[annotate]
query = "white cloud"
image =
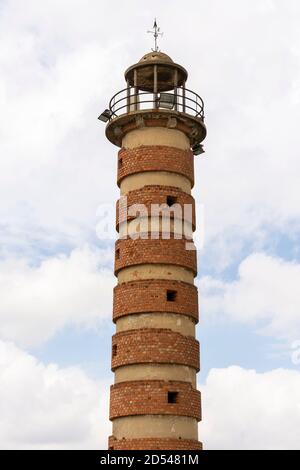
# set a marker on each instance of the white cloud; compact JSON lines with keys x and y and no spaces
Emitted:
{"x":37,"y":301}
{"x":54,"y":82}
{"x":266,"y":294}
{"x":243,"y":409}
{"x":47,"y":407}
{"x":57,"y":74}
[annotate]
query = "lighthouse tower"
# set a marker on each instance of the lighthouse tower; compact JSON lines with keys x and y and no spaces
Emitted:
{"x":158,"y":124}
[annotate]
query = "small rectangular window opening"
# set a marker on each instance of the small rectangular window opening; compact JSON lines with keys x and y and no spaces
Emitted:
{"x":171,"y":200}
{"x":118,"y":253}
{"x":114,"y":350}
{"x":120,"y":162}
{"x":171,"y":295}
{"x":172,"y":397}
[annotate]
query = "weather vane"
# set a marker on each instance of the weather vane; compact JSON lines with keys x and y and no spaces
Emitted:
{"x":156,"y":32}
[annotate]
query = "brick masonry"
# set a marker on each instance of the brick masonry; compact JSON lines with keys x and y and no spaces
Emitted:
{"x":154,"y":345}
{"x":150,"y":397}
{"x":155,"y":194}
{"x":160,"y":251}
{"x":155,"y":158}
{"x":154,"y":444}
{"x":152,"y":296}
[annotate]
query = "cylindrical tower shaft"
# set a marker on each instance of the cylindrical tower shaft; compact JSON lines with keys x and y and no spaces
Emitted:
{"x":154,"y":401}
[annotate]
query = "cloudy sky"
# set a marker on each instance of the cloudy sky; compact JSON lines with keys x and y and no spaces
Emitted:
{"x":60,"y":62}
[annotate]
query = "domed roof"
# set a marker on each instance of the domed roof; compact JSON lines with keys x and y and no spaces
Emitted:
{"x":141,"y":75}
{"x":156,"y":56}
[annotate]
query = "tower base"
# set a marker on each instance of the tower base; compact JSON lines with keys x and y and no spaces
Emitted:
{"x":154,"y":444}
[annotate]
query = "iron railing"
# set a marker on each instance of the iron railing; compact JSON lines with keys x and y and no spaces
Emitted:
{"x":181,"y":99}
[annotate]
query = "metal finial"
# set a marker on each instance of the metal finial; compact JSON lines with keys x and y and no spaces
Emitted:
{"x":156,"y":32}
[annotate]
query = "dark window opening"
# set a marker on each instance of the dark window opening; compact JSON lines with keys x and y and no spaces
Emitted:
{"x":114,"y":350}
{"x":120,"y":162}
{"x":172,"y":397}
{"x":171,"y":200}
{"x":171,"y":295}
{"x":118,"y":253}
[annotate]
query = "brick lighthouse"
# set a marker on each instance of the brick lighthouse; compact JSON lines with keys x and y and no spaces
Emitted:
{"x":158,"y":125}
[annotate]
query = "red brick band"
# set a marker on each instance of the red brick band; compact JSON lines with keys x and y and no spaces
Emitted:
{"x":154,"y":397}
{"x":164,"y":196}
{"x":154,"y":345}
{"x":155,"y":158}
{"x":161,"y":251}
{"x":153,"y":443}
{"x":155,"y":296}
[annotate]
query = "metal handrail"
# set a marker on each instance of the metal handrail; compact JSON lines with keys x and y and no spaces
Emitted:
{"x":182,"y":101}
